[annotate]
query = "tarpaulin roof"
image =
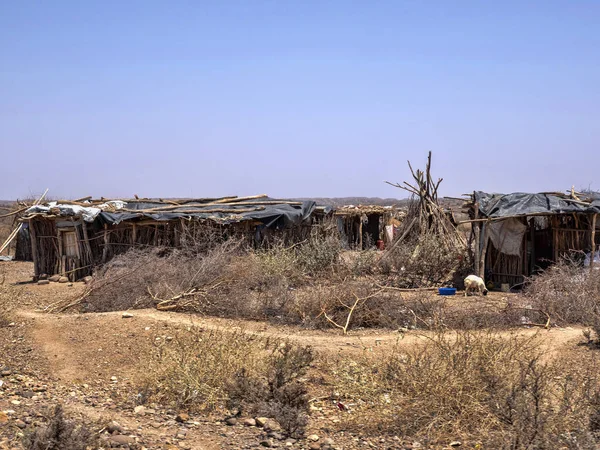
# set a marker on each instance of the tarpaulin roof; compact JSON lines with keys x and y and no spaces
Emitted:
{"x":523,"y":204}
{"x":269,"y":212}
{"x":275,"y":215}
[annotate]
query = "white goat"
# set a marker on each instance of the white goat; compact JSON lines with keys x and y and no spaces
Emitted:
{"x":474,"y":283}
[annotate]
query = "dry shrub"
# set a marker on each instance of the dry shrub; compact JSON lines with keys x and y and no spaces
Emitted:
{"x":425,"y":261}
{"x":192,"y":369}
{"x":61,"y":434}
{"x":198,"y":239}
{"x":210,"y":370}
{"x":318,"y":306}
{"x":374,"y":307}
{"x":282,"y":393}
{"x":568,"y":293}
{"x":429,"y":311}
{"x":359,"y":263}
{"x":220,"y":278}
{"x":307,"y":284}
{"x":132,"y":279}
{"x":477,"y":314}
{"x":388,"y":308}
{"x":276,"y":285}
{"x":317,"y":255}
{"x":480,"y":386}
{"x":264,"y":284}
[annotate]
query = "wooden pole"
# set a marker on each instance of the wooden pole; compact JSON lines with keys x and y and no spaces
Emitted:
{"x":88,"y":247}
{"x":477,"y":233}
{"x":593,"y":241}
{"x":484,"y":247}
{"x":105,"y":249}
{"x":34,"y":249}
{"x":532,"y":256}
{"x":61,"y":269}
{"x":554,"y":239}
{"x":134,"y":233}
{"x":11,"y":236}
{"x":360,"y":238}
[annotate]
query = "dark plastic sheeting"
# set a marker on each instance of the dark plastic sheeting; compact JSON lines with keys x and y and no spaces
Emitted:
{"x":522,"y":204}
{"x":273,"y":216}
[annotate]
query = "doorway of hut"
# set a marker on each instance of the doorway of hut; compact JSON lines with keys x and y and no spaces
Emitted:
{"x":542,"y":250}
{"x":371,"y":231}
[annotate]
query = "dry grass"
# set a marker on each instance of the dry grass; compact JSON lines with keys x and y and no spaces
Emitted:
{"x":477,"y":386}
{"x":207,"y":371}
{"x":192,"y":369}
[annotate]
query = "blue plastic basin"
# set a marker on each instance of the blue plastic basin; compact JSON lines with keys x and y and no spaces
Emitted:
{"x":447,"y":291}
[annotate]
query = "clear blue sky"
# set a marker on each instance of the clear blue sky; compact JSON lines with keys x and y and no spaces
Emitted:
{"x":297,"y":98}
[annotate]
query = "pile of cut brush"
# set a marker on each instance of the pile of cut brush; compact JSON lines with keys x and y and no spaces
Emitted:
{"x":428,"y":250}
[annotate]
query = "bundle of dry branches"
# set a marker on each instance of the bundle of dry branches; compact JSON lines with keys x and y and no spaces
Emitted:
{"x":425,"y":215}
{"x":429,"y":250}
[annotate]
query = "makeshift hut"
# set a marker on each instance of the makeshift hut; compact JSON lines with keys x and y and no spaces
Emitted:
{"x":362,"y":226}
{"x":516,"y":235}
{"x":18,"y":237}
{"x":71,"y":237}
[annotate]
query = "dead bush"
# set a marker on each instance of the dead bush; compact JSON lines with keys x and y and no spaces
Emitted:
{"x":481,"y":314}
{"x":319,"y":254}
{"x":192,"y":370}
{"x":198,"y":239}
{"x":224,"y":278}
{"x":568,"y":293}
{"x":159,"y":277}
{"x":480,"y":386}
{"x":61,"y":434}
{"x":306,"y":283}
{"x":389,"y":308}
{"x":360,"y":263}
{"x":346,"y":304}
{"x":424,"y":261}
{"x":282,"y":393}
{"x":210,"y":370}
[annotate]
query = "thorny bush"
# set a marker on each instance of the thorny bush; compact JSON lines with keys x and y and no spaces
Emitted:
{"x":281,"y":392}
{"x":500,"y":392}
{"x":142,"y":278}
{"x":568,"y":293}
{"x":191,"y":369}
{"x":209,"y":370}
{"x":425,"y":261}
{"x":61,"y":434}
{"x":308,"y":283}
